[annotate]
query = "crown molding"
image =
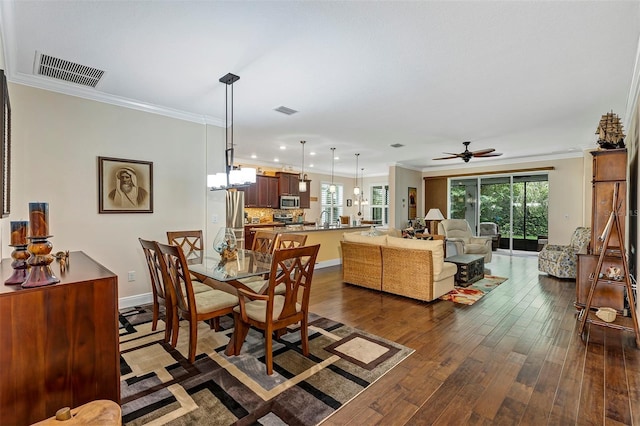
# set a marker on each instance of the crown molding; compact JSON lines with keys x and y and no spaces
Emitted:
{"x":91,"y":94}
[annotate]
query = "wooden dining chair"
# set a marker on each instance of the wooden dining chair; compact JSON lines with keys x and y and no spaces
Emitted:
{"x":192,"y":245}
{"x":193,"y":307}
{"x":263,"y":242}
{"x":271,"y":312}
{"x":158,"y":288}
{"x":289,"y":240}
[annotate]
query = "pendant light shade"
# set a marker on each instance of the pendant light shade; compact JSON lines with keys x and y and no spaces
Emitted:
{"x":332,"y":187}
{"x":356,"y":188}
{"x":302,"y":184}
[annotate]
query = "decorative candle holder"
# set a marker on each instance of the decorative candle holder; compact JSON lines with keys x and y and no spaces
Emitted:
{"x":40,"y":248}
{"x":40,"y":273}
{"x":19,"y":264}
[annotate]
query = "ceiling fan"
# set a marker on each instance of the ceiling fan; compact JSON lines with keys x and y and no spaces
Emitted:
{"x":466,"y":155}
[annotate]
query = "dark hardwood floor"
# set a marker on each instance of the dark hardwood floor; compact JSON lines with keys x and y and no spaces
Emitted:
{"x":514,"y":357}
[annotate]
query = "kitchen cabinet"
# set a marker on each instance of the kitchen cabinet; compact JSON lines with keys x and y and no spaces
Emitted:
{"x":305,"y":197}
{"x":288,"y":183}
{"x":251,"y":195}
{"x":268,"y":192}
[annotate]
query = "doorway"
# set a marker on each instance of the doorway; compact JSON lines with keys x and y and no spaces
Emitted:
{"x":518,"y":204}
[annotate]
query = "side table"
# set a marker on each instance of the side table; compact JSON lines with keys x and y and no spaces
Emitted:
{"x":470,"y":268}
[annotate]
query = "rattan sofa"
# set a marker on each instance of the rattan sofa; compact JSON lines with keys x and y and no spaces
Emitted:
{"x":410,"y":268}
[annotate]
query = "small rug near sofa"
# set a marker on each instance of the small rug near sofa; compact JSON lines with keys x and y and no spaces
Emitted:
{"x":473,"y":293}
{"x":159,"y":386}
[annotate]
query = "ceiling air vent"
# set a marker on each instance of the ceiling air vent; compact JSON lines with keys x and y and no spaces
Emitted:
{"x":285,"y":110}
{"x":68,"y":71}
{"x":396,"y":145}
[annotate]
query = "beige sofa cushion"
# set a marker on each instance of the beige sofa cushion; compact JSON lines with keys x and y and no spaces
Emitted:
{"x":355,"y":237}
{"x":436,"y":247}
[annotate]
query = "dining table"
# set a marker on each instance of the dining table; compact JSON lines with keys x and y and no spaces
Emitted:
{"x":226,"y":275}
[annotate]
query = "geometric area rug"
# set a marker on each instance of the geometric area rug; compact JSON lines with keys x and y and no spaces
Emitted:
{"x":473,"y":293}
{"x":159,"y":386}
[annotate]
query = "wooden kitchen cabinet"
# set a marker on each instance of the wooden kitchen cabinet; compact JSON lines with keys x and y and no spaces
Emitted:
{"x":305,"y":197}
{"x":59,"y":344}
{"x":268,"y":191}
{"x":288,"y":183}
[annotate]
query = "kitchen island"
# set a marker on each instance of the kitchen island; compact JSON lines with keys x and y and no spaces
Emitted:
{"x":328,"y":238}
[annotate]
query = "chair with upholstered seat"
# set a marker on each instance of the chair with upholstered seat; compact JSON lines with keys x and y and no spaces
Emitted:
{"x":490,"y":229}
{"x":158,"y":289}
{"x":193,"y":307}
{"x":458,"y":232}
{"x":191,"y":243}
{"x":561,"y":260}
{"x":272,"y":312}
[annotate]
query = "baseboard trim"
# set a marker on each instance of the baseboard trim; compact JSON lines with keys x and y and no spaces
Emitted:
{"x":327,"y":263}
{"x":137,"y":300}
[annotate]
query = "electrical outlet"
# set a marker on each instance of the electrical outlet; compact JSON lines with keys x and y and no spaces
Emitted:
{"x":214,"y":218}
{"x":132,"y":276}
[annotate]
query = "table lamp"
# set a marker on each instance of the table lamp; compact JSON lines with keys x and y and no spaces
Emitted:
{"x":434,"y":216}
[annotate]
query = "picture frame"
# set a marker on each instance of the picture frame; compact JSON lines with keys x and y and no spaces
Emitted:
{"x":125,"y":186}
{"x":349,"y":202}
{"x":5,"y":149}
{"x":413,"y":203}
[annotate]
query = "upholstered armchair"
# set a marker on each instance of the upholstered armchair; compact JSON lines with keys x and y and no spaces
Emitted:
{"x":561,"y":260}
{"x":490,"y":229}
{"x":457,"y":232}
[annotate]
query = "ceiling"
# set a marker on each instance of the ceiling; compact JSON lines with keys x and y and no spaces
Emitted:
{"x":528,"y":78}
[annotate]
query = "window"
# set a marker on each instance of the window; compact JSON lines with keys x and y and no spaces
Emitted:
{"x":331,"y":203}
{"x":380,"y":203}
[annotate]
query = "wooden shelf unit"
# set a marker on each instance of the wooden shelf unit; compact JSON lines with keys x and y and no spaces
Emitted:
{"x":586,"y":315}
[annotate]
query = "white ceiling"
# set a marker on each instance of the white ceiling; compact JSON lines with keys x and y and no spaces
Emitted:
{"x":528,"y":78}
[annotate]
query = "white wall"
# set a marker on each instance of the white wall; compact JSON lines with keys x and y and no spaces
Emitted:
{"x":399,"y":194}
{"x":56,"y":140}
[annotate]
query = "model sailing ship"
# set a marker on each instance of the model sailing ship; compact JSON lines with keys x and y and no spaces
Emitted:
{"x":609,"y":131}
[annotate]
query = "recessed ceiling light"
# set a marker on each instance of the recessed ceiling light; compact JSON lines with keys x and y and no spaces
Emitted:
{"x":276,"y":160}
{"x":310,"y":165}
{"x":254,"y":156}
{"x":312,"y":153}
{"x":282,"y":147}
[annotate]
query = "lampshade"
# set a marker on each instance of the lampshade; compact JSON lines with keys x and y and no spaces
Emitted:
{"x":434,"y":214}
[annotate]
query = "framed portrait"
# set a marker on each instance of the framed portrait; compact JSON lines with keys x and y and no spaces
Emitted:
{"x":5,"y":149}
{"x":349,"y":202}
{"x":413,"y":200}
{"x":125,"y":186}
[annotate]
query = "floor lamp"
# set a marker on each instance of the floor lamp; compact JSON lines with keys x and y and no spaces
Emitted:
{"x":433,"y":217}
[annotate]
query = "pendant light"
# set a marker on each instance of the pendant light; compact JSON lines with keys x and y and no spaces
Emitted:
{"x":356,"y":188}
{"x":363,"y":200}
{"x":302,"y":184}
{"x":332,"y":187}
{"x":233,"y":176}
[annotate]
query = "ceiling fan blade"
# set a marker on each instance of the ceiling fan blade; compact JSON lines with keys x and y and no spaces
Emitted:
{"x":482,"y":151}
{"x":491,"y":154}
{"x":451,"y":153}
{"x":447,"y":158}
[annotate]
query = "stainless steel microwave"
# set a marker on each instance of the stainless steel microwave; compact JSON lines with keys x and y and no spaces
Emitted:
{"x":289,"y":202}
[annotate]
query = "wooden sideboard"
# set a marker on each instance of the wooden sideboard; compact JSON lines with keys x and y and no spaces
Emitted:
{"x":59,"y":344}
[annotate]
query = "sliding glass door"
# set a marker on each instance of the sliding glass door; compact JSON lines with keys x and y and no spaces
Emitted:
{"x":518,"y":204}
